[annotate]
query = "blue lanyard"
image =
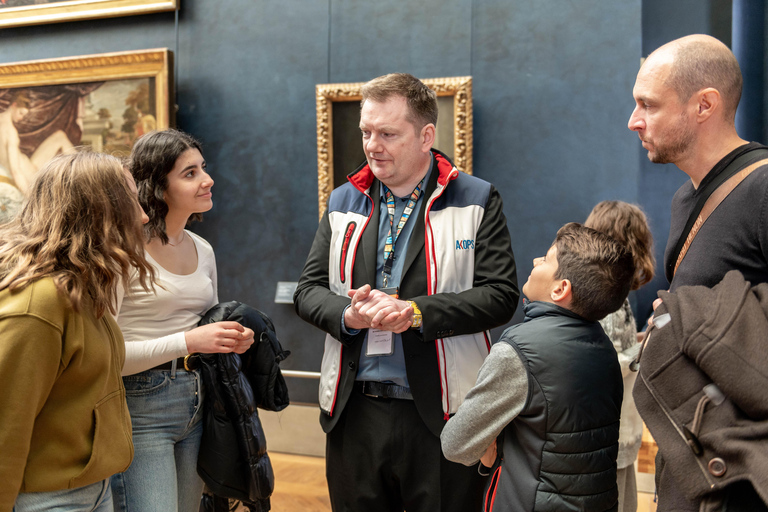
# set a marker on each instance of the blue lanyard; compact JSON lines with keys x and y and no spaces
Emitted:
{"x":389,"y":245}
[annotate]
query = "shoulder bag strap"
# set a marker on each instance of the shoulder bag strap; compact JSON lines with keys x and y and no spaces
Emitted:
{"x":716,"y":192}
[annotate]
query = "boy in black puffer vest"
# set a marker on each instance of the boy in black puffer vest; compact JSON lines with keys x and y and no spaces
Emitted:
{"x":544,"y":413}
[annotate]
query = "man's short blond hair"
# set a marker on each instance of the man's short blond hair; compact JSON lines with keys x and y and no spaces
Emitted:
{"x":701,"y":62}
{"x":422,"y":101}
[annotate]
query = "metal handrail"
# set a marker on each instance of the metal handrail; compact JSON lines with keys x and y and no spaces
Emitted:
{"x":300,"y":375}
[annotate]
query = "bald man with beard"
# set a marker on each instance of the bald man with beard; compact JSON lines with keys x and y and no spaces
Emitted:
{"x":686,"y":95}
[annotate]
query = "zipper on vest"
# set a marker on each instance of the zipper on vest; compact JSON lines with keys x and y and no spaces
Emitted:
{"x":490,"y":496}
{"x":345,"y":249}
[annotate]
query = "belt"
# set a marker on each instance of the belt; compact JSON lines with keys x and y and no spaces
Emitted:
{"x":383,"y":390}
{"x":167,"y":366}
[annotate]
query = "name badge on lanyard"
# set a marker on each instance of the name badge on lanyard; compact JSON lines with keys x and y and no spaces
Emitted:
{"x":381,"y":343}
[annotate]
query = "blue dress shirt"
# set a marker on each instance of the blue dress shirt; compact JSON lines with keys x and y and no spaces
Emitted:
{"x":391,"y":368}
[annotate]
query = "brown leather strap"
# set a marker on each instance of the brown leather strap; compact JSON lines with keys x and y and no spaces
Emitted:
{"x":713,"y":202}
{"x":167,"y":365}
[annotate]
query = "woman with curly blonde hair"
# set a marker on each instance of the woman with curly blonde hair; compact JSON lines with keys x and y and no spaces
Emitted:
{"x":64,"y":426}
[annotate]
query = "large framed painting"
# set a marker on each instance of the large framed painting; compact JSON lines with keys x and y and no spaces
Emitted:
{"x":15,"y":13}
{"x":102,"y":101}
{"x":339,"y":144}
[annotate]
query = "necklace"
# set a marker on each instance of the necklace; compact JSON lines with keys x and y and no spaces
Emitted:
{"x":183,"y":234}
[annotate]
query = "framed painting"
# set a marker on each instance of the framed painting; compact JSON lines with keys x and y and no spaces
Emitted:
{"x":14,"y":13}
{"x":103,"y":101}
{"x":339,"y":144}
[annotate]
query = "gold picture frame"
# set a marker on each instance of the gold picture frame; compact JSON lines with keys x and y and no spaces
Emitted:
{"x":341,"y":102}
{"x":104,"y":101}
{"x":155,"y":64}
{"x":55,"y":11}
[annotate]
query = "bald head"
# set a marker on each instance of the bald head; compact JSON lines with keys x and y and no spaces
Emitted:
{"x":698,"y":62}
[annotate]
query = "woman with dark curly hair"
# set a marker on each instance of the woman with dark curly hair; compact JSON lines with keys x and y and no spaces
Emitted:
{"x":160,"y":328}
{"x":64,"y":426}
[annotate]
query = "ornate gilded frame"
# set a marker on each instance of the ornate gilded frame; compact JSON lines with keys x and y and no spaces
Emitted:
{"x":71,"y":10}
{"x":156,"y":63}
{"x":327,"y":94}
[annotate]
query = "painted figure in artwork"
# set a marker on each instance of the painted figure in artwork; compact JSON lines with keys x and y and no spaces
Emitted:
{"x":13,"y":161}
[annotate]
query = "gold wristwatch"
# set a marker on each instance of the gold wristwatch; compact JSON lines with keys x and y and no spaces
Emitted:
{"x":416,"y":315}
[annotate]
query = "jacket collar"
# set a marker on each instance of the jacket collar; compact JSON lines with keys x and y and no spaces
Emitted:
{"x":535,"y":309}
{"x":362,"y":178}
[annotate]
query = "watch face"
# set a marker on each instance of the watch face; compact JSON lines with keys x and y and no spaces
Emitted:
{"x":416,"y":323}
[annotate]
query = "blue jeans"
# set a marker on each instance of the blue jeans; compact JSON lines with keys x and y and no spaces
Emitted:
{"x":166,"y":414}
{"x":91,"y":498}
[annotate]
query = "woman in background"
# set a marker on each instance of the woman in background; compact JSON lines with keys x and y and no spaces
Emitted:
{"x":64,"y":426}
{"x":626,"y":223}
{"x":159,"y":327}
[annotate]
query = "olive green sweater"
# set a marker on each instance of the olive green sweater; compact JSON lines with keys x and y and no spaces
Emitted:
{"x":64,"y":422}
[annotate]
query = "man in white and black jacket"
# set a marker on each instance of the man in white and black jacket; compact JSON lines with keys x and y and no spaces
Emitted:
{"x":410,"y":268}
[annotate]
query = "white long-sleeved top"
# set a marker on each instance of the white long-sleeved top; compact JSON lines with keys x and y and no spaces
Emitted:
{"x":154,"y":323}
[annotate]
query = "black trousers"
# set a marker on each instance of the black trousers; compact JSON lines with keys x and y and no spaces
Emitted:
{"x":381,"y":457}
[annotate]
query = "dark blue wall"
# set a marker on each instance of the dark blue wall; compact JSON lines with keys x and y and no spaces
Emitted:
{"x":552,"y":95}
{"x":749,"y":43}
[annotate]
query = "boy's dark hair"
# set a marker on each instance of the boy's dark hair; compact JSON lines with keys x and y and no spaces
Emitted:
{"x":152,"y":158}
{"x":599,"y":268}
